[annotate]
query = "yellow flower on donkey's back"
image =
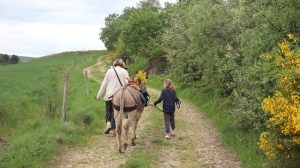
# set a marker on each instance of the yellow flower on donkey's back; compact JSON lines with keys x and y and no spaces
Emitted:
{"x":142,"y":76}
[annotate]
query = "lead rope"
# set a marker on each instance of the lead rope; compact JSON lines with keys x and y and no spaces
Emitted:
{"x":156,"y":107}
{"x":178,"y":103}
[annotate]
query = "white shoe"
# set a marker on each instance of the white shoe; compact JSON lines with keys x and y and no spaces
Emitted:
{"x":108,"y":128}
{"x":173,"y":133}
{"x":108,"y":125}
{"x":167,"y":136}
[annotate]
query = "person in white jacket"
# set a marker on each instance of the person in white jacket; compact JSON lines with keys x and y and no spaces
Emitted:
{"x":109,"y":85}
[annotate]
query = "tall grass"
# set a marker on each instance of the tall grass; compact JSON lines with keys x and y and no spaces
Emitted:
{"x":30,"y":106}
{"x":244,"y":144}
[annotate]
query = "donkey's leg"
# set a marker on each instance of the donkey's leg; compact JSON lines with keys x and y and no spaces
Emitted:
{"x":118,"y":130}
{"x":134,"y":121}
{"x":137,"y":118}
{"x":126,"y":129}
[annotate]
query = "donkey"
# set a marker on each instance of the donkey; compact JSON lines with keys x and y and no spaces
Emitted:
{"x":127,"y":101}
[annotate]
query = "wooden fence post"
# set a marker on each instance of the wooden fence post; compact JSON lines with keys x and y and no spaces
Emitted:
{"x":87,"y":83}
{"x":64,"y":106}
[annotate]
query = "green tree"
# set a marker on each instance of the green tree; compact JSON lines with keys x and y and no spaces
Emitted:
{"x":14,"y":59}
{"x":4,"y":59}
{"x":141,"y":32}
{"x":137,"y":32}
{"x":152,"y":4}
{"x":110,"y":34}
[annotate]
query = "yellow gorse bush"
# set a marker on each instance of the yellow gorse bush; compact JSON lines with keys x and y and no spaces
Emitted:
{"x":283,"y":107}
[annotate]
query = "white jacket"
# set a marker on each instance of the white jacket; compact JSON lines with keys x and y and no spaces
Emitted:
{"x":111,"y":83}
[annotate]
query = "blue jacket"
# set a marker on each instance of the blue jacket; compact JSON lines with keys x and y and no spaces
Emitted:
{"x":169,"y":99}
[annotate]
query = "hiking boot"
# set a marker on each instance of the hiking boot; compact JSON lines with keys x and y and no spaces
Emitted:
{"x":167,"y":136}
{"x":108,"y":128}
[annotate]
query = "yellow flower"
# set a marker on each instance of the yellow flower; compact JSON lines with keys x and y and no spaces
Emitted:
{"x":296,"y":140}
{"x":142,"y":77}
{"x":267,"y":57}
{"x":290,"y":36}
{"x":266,"y":145}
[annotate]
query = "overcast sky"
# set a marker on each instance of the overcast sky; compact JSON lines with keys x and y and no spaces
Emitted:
{"x":42,"y":27}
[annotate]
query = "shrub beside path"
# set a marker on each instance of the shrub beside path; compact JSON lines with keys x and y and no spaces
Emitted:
{"x":197,"y":142}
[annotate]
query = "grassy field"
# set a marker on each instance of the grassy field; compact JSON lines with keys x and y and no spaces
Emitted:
{"x":242,"y":143}
{"x":30,"y":105}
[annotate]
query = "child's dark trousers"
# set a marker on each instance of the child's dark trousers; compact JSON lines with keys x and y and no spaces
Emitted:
{"x":169,"y":119}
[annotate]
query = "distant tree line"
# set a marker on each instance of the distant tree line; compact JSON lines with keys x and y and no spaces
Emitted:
{"x":7,"y":59}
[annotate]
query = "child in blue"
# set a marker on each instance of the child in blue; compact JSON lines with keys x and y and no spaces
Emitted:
{"x":169,"y":98}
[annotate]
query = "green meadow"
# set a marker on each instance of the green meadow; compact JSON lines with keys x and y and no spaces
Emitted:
{"x":31,"y":95}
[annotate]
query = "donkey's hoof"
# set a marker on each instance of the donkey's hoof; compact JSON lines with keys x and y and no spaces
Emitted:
{"x":133,"y":143}
{"x":125,"y":146}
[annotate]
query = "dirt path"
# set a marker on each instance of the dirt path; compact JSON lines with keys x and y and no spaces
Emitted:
{"x":196,"y":144}
{"x":94,"y":71}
